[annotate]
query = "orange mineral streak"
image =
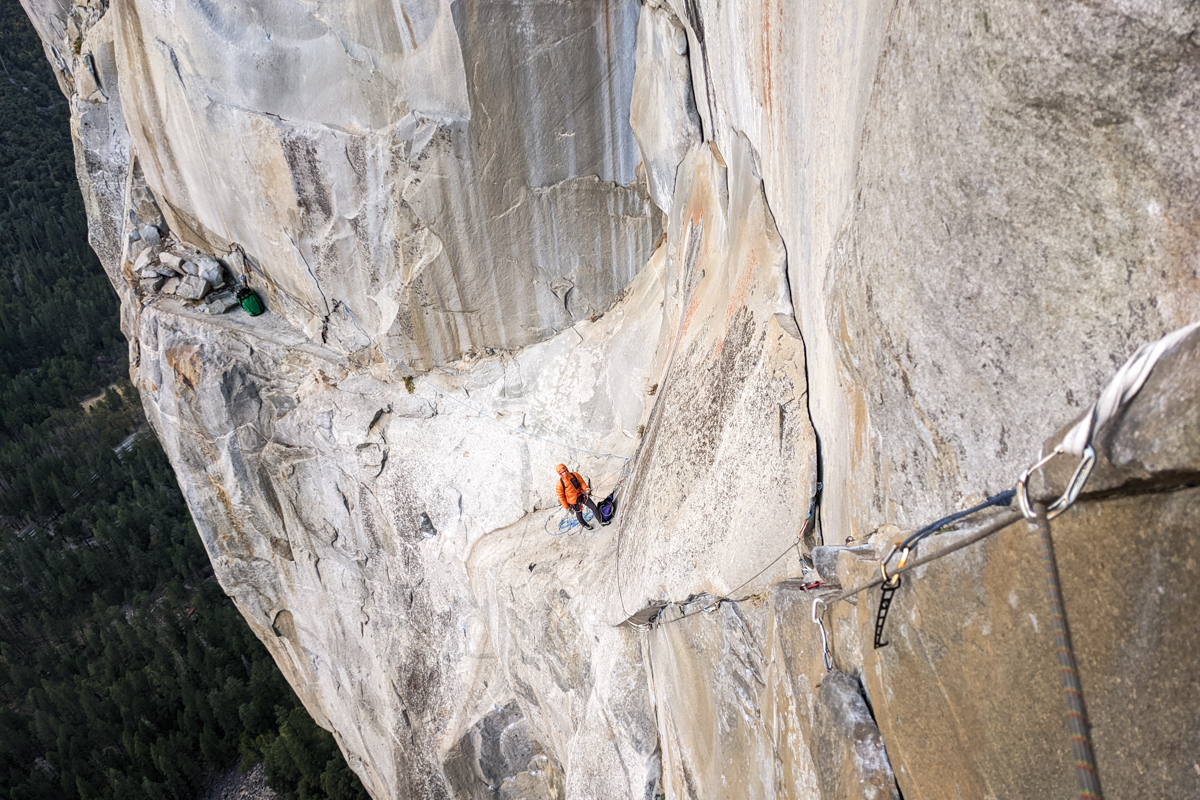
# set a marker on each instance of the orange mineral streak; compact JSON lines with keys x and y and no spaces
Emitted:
{"x":766,"y":51}
{"x":741,"y":291}
{"x":234,"y":537}
{"x":184,"y":361}
{"x":691,"y":311}
{"x":695,"y":224}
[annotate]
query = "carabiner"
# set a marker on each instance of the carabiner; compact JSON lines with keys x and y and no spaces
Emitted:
{"x":892,"y":581}
{"x":825,"y":654}
{"x":1074,"y":487}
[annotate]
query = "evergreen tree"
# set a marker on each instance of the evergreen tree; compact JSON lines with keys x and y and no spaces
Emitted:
{"x":124,"y":670}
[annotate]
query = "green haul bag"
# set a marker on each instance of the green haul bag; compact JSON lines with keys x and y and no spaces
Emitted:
{"x":249,"y":301}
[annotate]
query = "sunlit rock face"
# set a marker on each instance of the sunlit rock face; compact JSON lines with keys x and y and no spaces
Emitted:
{"x":730,"y":446}
{"x":663,"y":115}
{"x":777,"y":274}
{"x":986,"y":210}
{"x":424,"y":164}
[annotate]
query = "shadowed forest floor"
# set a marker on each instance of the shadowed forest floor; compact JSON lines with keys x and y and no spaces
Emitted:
{"x":125,"y":672}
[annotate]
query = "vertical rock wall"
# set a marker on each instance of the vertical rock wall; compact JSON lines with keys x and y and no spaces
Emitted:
{"x":336,"y":147}
{"x":986,"y":207}
{"x":775,"y":273}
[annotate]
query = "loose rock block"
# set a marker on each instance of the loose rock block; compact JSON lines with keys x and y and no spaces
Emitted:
{"x":151,"y":236}
{"x":173,"y":260}
{"x":220,"y":302}
{"x":145,"y":259}
{"x":192,"y":287}
{"x":210,"y":270}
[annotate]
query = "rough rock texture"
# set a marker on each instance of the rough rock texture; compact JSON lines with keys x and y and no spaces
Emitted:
{"x":967,"y":695}
{"x":729,"y":447}
{"x":581,"y":682}
{"x":1051,"y":230}
{"x":832,"y":268}
{"x":313,"y":479}
{"x":986,"y":208}
{"x":233,"y":785}
{"x":707,"y":678}
{"x":1150,"y":444}
{"x":851,"y":760}
{"x":382,"y":157}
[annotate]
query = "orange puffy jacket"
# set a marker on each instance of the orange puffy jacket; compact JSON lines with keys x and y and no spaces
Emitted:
{"x":568,"y":495}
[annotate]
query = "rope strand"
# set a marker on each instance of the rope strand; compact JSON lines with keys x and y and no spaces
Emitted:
{"x":999,"y":499}
{"x":1077,"y":718}
{"x":892,"y":585}
{"x":996,"y":525}
{"x":651,"y":429}
{"x":729,"y":596}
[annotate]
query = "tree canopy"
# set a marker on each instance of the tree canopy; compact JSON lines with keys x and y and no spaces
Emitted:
{"x":125,"y":672}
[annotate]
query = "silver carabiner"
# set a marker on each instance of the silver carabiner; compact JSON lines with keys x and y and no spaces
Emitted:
{"x":1074,"y":487}
{"x":817,"y":618}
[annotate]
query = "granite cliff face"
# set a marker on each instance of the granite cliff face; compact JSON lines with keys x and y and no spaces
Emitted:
{"x":788,"y":276}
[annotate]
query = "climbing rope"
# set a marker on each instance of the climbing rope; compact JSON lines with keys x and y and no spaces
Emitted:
{"x":614,"y":486}
{"x":1004,"y":498}
{"x":1077,"y":719}
{"x":413,"y":374}
{"x":567,"y":523}
{"x":656,"y":411}
{"x":714,"y":604}
{"x":996,"y":525}
{"x":1079,"y":441}
{"x":1124,"y":385}
{"x":1121,"y":389}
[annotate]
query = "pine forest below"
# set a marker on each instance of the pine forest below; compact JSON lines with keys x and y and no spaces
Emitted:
{"x":125,"y":672}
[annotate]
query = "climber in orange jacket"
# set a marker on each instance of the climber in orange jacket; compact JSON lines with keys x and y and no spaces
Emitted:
{"x":573,"y":494}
